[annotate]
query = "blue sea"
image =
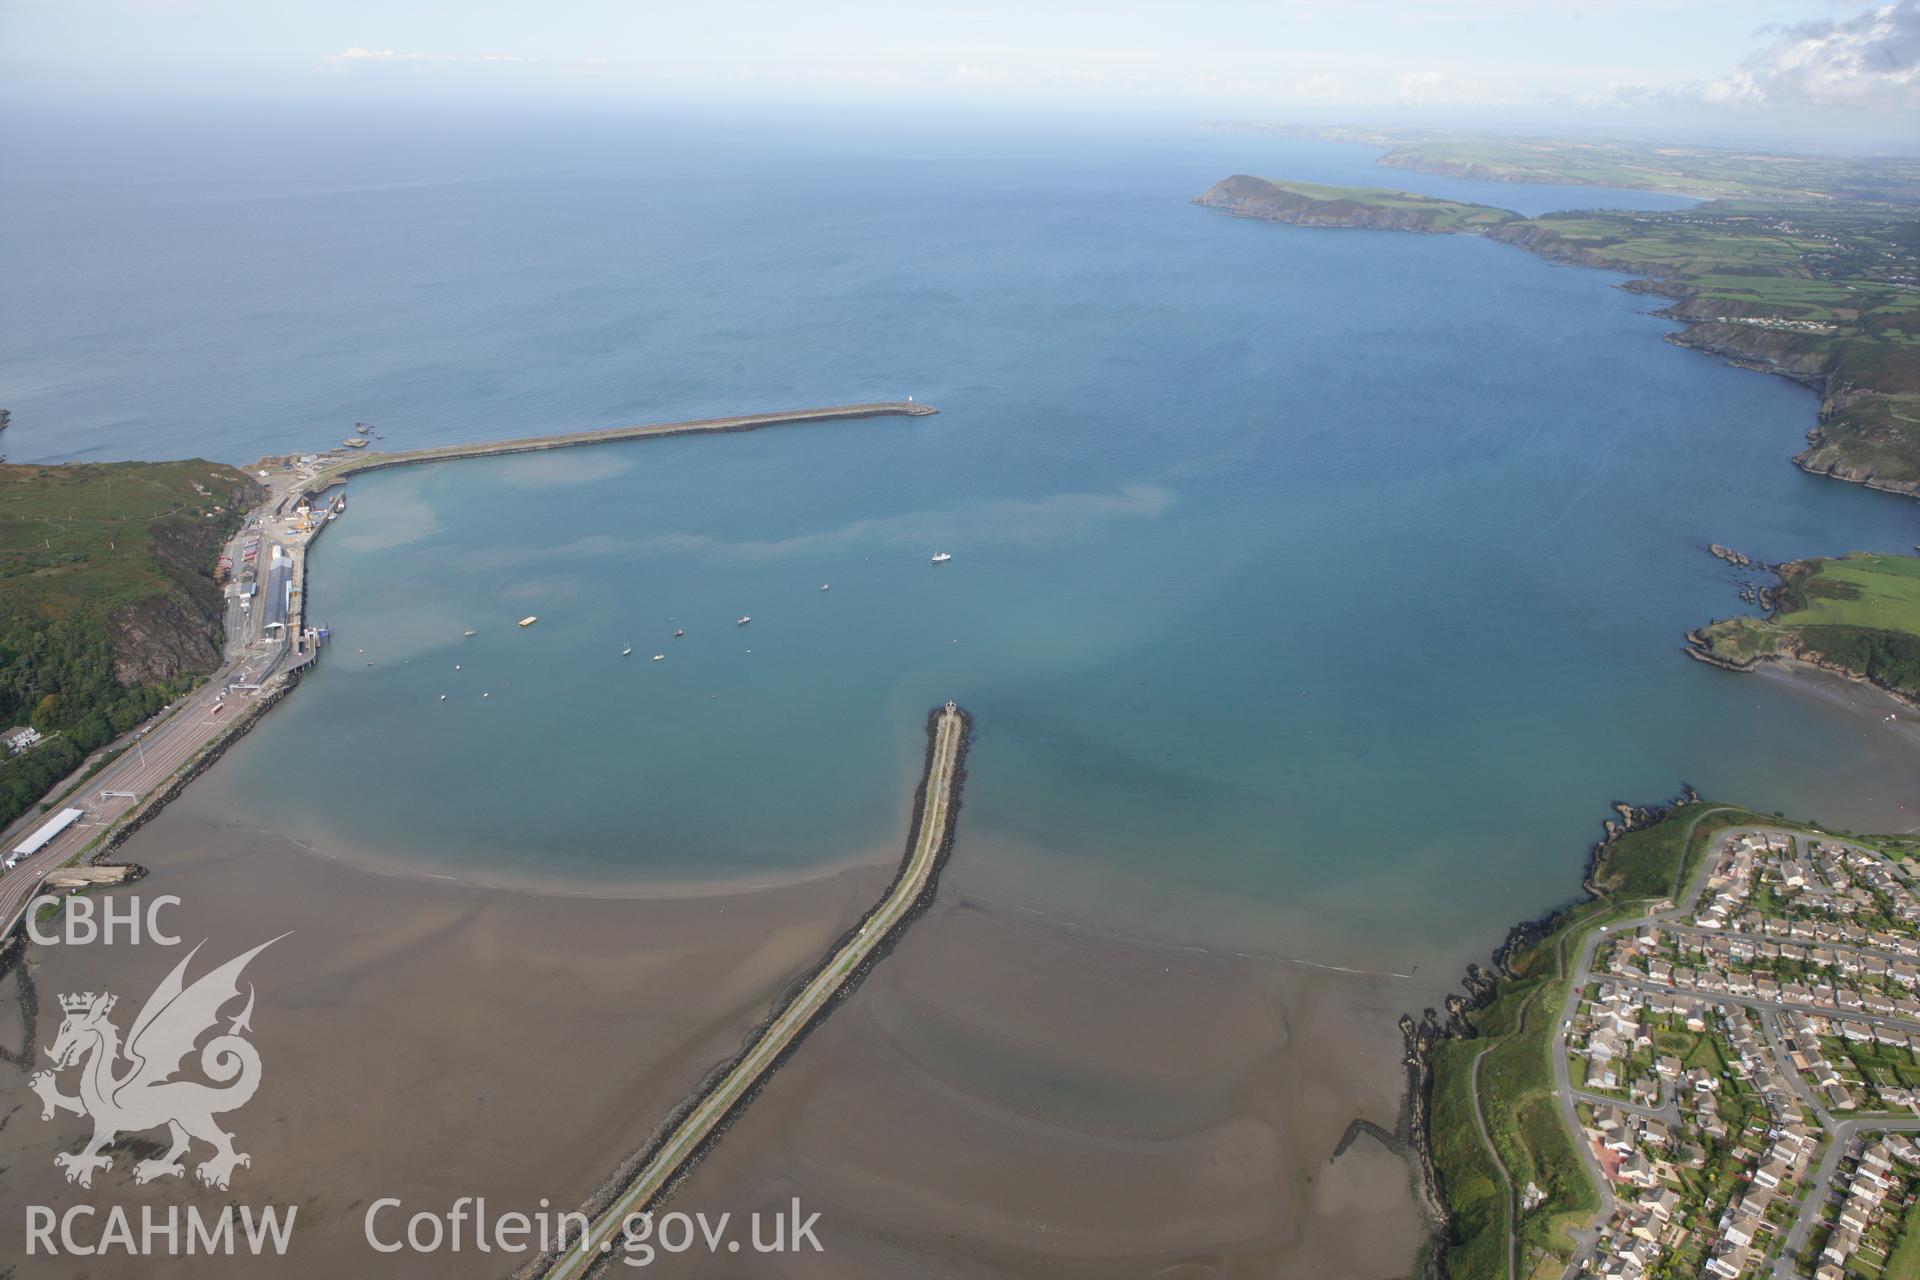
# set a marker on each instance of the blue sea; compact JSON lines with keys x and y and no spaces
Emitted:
{"x":1327,"y":583}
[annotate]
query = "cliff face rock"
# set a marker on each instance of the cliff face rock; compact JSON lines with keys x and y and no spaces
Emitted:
{"x":1543,"y":240}
{"x":1867,"y":431}
{"x":1790,"y":355}
{"x":1250,"y":197}
{"x":179,"y":632}
{"x":162,"y":639}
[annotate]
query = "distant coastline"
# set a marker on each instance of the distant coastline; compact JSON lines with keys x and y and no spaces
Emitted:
{"x":1861,"y":434}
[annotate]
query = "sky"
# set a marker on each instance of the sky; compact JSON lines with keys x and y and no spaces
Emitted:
{"x":1751,"y":68}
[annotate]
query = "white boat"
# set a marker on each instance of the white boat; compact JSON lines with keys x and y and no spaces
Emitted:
{"x":825,"y":585}
{"x":469,"y":633}
{"x":530,"y":619}
{"x":659,"y":657}
{"x":941,"y":557}
{"x":624,"y":652}
{"x":745,"y":618}
{"x":678,"y":634}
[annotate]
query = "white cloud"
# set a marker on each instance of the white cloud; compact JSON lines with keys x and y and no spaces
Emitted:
{"x":1435,"y":88}
{"x":359,"y":54}
{"x":1872,"y":61}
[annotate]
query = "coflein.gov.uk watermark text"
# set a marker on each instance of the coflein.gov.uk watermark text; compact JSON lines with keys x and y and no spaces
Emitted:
{"x":468,"y":1226}
{"x":465,"y":1226}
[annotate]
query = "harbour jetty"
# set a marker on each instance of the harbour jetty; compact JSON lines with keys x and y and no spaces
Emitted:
{"x":370,"y":460}
{"x":647,"y":1178}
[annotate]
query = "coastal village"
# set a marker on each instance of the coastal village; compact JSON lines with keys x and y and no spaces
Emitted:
{"x":1744,"y":1073}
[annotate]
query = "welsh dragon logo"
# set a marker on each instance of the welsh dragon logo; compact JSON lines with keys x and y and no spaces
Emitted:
{"x":146,"y":1095}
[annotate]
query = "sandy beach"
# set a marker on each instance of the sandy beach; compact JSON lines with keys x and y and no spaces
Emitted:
{"x":1008,"y":1097}
{"x":1004,"y":1095}
{"x":1868,"y":708}
{"x":419,"y":1039}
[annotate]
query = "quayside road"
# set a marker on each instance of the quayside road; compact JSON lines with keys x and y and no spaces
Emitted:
{"x":917,"y":874}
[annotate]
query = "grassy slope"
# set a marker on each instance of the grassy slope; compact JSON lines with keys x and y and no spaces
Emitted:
{"x":1903,"y":1260}
{"x":1860,"y":612}
{"x":107,"y":603}
{"x":1441,"y":214}
{"x":1517,"y":1096}
{"x":79,"y":538}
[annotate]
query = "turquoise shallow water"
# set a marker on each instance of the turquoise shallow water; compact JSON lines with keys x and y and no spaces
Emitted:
{"x":1338,"y":574}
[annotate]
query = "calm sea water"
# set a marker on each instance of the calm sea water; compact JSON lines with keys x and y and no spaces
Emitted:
{"x":1339,"y":574}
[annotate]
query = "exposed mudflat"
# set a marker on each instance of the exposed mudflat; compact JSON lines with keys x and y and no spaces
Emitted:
{"x":1006,"y":1096}
{"x":418,"y":1039}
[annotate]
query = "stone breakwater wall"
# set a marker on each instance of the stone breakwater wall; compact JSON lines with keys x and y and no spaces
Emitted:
{"x":362,"y":463}
{"x":1478,"y":988}
{"x":604,"y":1196}
{"x":13,"y":954}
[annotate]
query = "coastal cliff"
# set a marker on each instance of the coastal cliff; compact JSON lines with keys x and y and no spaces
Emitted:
{"x":1306,"y":204}
{"x":108,"y":607}
{"x":1504,"y":1014}
{"x":1855,"y":616}
{"x":1738,"y":279}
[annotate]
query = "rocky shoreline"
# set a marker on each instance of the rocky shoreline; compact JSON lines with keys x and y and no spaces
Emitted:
{"x":1791,"y":649}
{"x":1711,"y":328}
{"x":1478,"y":989}
{"x":1791,"y":655}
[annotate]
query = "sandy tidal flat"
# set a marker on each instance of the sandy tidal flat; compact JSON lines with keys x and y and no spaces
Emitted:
{"x":1003,"y":1096}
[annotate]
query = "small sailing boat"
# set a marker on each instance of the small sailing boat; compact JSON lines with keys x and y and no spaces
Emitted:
{"x":659,"y":657}
{"x":678,"y":634}
{"x":469,"y":633}
{"x":825,"y":585}
{"x":745,"y":618}
{"x":624,"y":652}
{"x":941,"y":557}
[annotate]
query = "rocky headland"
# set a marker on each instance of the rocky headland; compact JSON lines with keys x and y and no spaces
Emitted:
{"x":1865,"y":432}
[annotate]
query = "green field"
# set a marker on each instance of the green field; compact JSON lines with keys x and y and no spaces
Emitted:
{"x":1860,"y":613}
{"x":1903,"y":1260}
{"x":107,"y":602}
{"x":1859,"y":590}
{"x":1451,"y":215}
{"x":1710,"y":172}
